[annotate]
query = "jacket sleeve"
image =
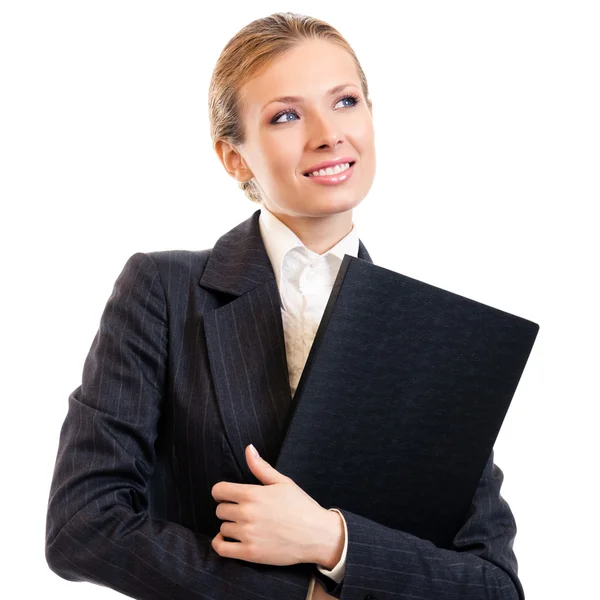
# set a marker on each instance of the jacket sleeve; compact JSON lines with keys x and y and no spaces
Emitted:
{"x":392,"y":564}
{"x":98,"y":526}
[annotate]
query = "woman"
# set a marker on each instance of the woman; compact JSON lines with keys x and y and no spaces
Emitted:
{"x":198,"y":355}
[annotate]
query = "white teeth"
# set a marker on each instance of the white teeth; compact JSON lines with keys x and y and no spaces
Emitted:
{"x":330,"y":171}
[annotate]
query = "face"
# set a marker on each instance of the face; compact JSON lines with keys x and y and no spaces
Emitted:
{"x":285,"y":139}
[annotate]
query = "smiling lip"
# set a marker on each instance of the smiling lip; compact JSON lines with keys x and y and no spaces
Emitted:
{"x":329,"y":163}
{"x":335,"y":179}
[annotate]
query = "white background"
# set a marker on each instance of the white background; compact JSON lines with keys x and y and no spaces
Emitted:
{"x":488,"y":153}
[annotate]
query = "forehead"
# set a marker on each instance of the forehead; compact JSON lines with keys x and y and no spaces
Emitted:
{"x":308,"y":70}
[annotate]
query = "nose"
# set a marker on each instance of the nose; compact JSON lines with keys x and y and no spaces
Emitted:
{"x":332,"y":141}
{"x":326,"y":132}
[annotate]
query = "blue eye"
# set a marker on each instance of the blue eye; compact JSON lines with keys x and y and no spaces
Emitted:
{"x":291,"y":110}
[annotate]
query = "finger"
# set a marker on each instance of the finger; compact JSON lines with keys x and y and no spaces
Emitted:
{"x":229,"y":511}
{"x":227,"y":491}
{"x":228,"y":549}
{"x":231,"y":533}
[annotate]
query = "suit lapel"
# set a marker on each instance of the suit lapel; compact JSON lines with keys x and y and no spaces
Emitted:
{"x":246,"y":345}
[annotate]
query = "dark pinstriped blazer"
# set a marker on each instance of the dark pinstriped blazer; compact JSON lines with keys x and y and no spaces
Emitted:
{"x":187,"y":368}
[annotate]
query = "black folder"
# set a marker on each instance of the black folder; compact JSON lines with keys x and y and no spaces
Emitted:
{"x":401,"y":399}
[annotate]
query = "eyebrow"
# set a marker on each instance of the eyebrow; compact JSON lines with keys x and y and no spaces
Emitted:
{"x":289,"y":99}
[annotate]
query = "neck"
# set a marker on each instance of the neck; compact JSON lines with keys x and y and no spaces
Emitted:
{"x":318,"y":234}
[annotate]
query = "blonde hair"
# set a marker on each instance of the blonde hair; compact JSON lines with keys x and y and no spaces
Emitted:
{"x":245,"y":56}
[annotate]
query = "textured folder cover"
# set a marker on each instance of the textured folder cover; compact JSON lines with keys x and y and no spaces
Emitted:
{"x":401,"y":400}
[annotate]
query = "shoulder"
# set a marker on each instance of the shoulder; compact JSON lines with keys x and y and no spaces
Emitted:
{"x":176,"y":268}
{"x":180,"y":260}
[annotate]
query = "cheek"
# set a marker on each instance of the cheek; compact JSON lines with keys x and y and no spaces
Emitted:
{"x":283,"y":164}
{"x":364,"y":135}
{"x":364,"y":143}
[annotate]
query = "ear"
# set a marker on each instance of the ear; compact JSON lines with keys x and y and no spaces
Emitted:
{"x":233,"y":161}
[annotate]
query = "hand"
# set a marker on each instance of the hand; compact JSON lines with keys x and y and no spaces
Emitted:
{"x":276,"y":523}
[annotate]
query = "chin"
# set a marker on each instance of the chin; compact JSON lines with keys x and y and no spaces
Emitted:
{"x":319,"y":205}
{"x":333,"y":205}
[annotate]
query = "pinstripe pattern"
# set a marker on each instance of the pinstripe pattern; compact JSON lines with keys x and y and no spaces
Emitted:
{"x":187,"y":368}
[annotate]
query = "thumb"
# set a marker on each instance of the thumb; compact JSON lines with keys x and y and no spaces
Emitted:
{"x":261,"y":469}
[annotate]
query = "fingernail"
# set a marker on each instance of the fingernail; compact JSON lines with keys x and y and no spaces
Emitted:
{"x":253,"y":450}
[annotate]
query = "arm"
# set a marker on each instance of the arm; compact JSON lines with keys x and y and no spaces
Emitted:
{"x":98,"y":526}
{"x":481,"y":565}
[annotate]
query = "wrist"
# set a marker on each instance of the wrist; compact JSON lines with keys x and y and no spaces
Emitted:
{"x":333,"y":541}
